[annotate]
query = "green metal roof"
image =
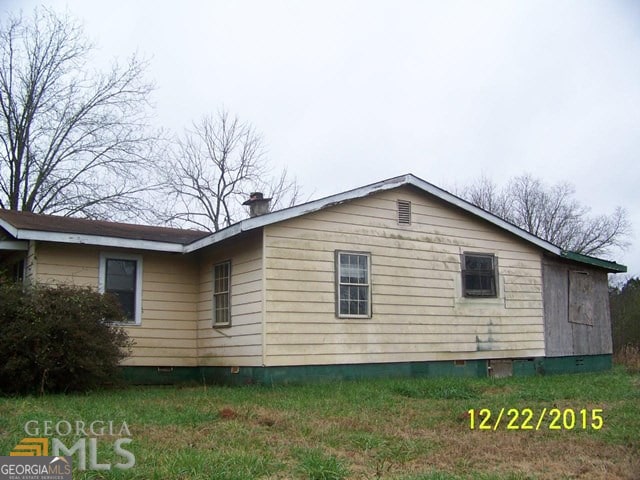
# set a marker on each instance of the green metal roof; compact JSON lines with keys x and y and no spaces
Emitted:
{"x":612,"y":267}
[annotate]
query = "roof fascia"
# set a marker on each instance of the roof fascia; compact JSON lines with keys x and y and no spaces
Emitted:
{"x":11,"y":230}
{"x":479,"y":212}
{"x":216,"y":237}
{"x":611,"y":267}
{"x":97,"y":240}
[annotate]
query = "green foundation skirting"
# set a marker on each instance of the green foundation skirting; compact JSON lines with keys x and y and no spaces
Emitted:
{"x":577,"y":364}
{"x":332,"y":373}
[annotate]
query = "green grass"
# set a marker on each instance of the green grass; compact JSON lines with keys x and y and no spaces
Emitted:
{"x":413,"y":429}
{"x":314,"y":464}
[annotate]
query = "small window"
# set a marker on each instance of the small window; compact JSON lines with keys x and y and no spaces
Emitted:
{"x":121,"y":276}
{"x":404,"y":212}
{"x":222,"y":294}
{"x":479,"y":275}
{"x":18,"y":270}
{"x":353,"y":284}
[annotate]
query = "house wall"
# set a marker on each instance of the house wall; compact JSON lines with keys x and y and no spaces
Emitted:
{"x":30,"y":270}
{"x":576,"y":310}
{"x":167,"y":333}
{"x":419,"y":313}
{"x":241,"y":343}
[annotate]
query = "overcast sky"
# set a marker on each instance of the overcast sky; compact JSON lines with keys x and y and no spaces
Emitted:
{"x":349,"y":93}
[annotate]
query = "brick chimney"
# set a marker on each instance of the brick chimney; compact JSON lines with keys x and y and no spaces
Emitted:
{"x":258,"y":205}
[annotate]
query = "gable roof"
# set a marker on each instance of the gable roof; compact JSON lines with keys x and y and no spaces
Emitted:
{"x":29,"y":226}
{"x":403,"y":180}
{"x":409,"y":179}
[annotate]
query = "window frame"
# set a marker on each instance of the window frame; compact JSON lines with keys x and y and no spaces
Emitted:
{"x":338,"y":284}
{"x":214,"y":323}
{"x":463,"y":276}
{"x":102,"y":282}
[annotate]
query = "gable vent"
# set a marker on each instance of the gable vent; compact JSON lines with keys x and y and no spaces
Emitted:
{"x":404,"y":212}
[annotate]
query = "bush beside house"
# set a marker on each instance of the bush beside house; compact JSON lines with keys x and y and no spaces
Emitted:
{"x":58,"y":339}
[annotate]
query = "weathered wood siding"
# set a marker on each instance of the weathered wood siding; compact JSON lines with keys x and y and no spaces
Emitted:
{"x":167,"y":333}
{"x":419,"y":313}
{"x":576,"y":310}
{"x":241,"y":343}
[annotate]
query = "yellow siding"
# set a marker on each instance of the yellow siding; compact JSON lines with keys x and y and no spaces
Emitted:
{"x":241,"y":343}
{"x":67,"y":264}
{"x":419,"y":313}
{"x":167,"y":335}
{"x":285,"y":274}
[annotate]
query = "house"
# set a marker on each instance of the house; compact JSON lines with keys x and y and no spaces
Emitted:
{"x":395,"y":278}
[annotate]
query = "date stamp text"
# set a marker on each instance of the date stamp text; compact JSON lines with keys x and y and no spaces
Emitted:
{"x":530,"y":419}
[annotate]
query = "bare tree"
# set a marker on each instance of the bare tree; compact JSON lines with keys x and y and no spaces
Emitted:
{"x":551,"y":213}
{"x":485,"y":194}
{"x":72,"y":141}
{"x":214,"y":168}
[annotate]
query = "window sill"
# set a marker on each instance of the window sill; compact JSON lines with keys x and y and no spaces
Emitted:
{"x":480,"y":301}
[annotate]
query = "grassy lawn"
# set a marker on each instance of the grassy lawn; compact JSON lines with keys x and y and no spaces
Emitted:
{"x":413,"y":429}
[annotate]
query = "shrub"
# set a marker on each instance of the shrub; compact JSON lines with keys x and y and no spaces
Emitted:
{"x":58,"y":339}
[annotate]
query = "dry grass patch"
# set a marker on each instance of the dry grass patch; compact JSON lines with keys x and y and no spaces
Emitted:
{"x":629,"y":357}
{"x":545,"y":455}
{"x":414,"y":429}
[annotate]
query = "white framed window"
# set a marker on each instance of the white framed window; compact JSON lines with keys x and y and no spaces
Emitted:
{"x":121,"y":275}
{"x":222,"y":294}
{"x":353,"y":284}
{"x":479,"y":275}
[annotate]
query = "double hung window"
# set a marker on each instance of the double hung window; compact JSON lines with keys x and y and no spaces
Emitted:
{"x":353,"y":284}
{"x":222,"y":294}
{"x":121,"y":276}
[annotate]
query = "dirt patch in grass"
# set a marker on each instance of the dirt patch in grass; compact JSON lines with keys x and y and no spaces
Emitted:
{"x":227,"y":413}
